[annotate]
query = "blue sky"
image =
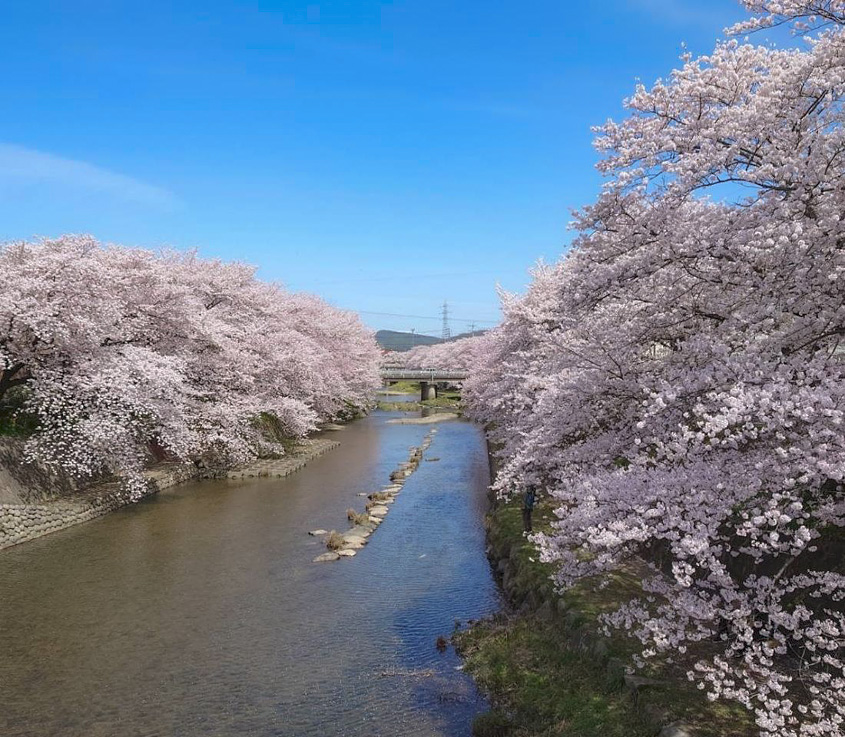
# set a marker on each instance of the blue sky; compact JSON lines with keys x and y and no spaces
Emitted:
{"x":385,"y":155}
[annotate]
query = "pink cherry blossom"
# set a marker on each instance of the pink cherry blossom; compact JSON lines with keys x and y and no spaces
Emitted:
{"x":676,"y":381}
{"x":118,"y":348}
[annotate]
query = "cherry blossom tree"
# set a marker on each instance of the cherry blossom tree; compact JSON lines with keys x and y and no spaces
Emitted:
{"x":119,"y":348}
{"x":676,"y":382}
{"x":452,"y":354}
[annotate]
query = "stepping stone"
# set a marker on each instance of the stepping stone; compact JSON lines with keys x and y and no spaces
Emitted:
{"x":326,"y":557}
{"x":317,"y":533}
{"x":352,"y":540}
{"x":378,"y":511}
{"x":346,"y":553}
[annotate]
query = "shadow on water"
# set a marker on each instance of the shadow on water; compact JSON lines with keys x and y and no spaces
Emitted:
{"x":199,"y":611}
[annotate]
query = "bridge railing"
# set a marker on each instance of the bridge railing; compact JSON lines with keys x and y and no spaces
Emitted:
{"x":424,"y":374}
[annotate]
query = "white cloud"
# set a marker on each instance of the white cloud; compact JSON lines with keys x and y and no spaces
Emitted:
{"x":22,"y":166}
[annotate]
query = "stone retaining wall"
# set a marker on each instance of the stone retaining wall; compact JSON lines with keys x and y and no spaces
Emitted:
{"x":29,"y":516}
{"x":22,"y":522}
{"x":280,"y":467}
{"x":29,"y":483}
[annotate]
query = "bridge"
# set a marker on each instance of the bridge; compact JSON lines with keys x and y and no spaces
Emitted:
{"x":428,"y":378}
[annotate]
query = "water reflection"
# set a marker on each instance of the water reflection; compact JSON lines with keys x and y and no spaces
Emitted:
{"x":199,"y":612}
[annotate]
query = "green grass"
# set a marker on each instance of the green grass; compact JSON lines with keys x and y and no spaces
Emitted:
{"x":399,"y":406}
{"x":543,"y":685}
{"x":550,"y":672}
{"x":448,"y":400}
{"x":445,"y":400}
{"x":406,"y":387}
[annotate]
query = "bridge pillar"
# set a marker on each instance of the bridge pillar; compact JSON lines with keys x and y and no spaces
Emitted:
{"x":428,"y":390}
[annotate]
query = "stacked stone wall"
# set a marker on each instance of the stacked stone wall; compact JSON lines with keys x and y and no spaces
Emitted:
{"x":22,"y":482}
{"x":21,"y":521}
{"x":34,"y":502}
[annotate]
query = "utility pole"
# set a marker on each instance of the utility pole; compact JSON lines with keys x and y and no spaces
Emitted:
{"x":446,"y":332}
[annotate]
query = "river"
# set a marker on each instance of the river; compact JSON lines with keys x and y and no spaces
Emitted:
{"x":199,"y":612}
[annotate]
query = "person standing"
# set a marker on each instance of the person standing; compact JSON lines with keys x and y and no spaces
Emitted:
{"x":529,"y":498}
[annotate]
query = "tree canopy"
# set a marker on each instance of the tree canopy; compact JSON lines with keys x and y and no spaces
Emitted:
{"x":118,"y":348}
{"x":676,"y":381}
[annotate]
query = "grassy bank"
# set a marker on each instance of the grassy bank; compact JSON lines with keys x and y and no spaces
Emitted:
{"x":450,"y":400}
{"x":550,"y":671}
{"x":404,"y":387}
{"x":445,"y":400}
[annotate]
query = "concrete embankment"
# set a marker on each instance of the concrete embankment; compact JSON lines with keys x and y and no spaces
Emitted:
{"x":37,"y":503}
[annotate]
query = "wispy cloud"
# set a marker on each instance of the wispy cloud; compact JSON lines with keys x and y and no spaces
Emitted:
{"x":24,"y":166}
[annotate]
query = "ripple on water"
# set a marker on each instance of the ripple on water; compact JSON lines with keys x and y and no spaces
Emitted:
{"x":199,"y":612}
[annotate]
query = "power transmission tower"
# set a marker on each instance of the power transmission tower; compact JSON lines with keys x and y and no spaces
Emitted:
{"x":447,"y":333}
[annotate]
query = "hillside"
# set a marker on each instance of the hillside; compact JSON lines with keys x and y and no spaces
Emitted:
{"x":393,"y":340}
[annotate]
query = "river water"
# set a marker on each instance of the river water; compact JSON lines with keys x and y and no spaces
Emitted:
{"x":199,"y":611}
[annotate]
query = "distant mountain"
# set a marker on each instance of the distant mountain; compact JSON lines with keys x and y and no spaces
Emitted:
{"x":392,"y":340}
{"x":473,"y":334}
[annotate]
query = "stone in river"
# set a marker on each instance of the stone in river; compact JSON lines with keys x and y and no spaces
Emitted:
{"x":317,"y":533}
{"x":346,"y":552}
{"x":354,"y":539}
{"x":326,"y":557}
{"x":378,"y":511}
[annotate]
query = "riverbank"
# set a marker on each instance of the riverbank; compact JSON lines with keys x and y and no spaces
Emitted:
{"x":208,"y":597}
{"x":549,"y":670}
{"x":447,"y":400}
{"x":24,"y":521}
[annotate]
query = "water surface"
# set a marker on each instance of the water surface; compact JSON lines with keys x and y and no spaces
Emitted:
{"x":199,"y":611}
